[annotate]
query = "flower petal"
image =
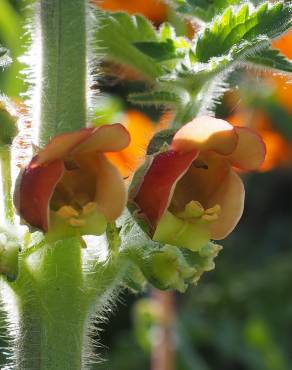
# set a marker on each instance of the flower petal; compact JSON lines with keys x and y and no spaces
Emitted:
{"x":141,"y":130}
{"x":230,"y":196}
{"x":200,"y":182}
{"x":250,"y":151}
{"x":107,"y":138}
{"x":206,"y":133}
{"x":35,"y":189}
{"x":155,"y":192}
{"x":62,"y":145}
{"x":111,"y":193}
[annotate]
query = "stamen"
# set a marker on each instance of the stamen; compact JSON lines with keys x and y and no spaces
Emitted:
{"x":89,"y":208}
{"x":212,"y":217}
{"x":215,"y":209}
{"x":67,"y":212}
{"x":76,"y":222}
{"x":194,"y":211}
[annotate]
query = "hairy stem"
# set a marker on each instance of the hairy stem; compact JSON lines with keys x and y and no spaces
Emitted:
{"x":52,"y":307}
{"x":63,"y":75}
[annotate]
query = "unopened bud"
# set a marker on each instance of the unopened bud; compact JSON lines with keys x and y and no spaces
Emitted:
{"x":9,"y":250}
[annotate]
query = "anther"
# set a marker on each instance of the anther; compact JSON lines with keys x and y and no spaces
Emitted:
{"x":67,"y":212}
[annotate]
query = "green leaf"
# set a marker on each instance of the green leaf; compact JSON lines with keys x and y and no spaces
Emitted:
{"x":116,"y":36}
{"x":271,"y":58}
{"x":155,"y":98}
{"x":160,"y":51}
{"x":243,"y":24}
{"x":203,"y":9}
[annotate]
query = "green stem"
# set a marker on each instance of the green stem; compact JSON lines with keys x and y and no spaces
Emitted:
{"x":53,"y":308}
{"x":7,"y":184}
{"x":63,"y":80}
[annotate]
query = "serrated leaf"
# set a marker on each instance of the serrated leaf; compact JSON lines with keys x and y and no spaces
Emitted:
{"x":243,"y":24}
{"x":203,"y":9}
{"x":115,"y":38}
{"x":155,"y":98}
{"x":193,"y":76}
{"x":271,"y":58}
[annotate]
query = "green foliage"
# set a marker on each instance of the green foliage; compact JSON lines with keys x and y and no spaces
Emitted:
{"x":156,"y":97}
{"x":190,"y":76}
{"x":203,"y":9}
{"x":271,"y":58}
{"x":243,"y":24}
{"x":116,"y":36}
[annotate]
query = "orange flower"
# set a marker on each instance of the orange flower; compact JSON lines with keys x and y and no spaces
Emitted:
{"x":154,"y":10}
{"x":283,"y":84}
{"x":284,"y":43}
{"x":279,"y":151}
{"x":141,"y":129}
{"x":71,"y":186}
{"x":189,"y":193}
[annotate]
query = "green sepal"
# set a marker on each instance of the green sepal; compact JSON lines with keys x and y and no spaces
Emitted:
{"x":164,"y":266}
{"x":168,"y":269}
{"x":202,"y":261}
{"x":134,"y":280}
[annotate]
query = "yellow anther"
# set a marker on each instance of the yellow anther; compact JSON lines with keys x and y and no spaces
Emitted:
{"x":89,"y":208}
{"x":212,"y":217}
{"x":67,"y":212}
{"x":192,"y":210}
{"x":76,"y":223}
{"x":210,"y":211}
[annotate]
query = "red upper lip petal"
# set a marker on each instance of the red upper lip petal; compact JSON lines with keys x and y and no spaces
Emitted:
{"x":154,"y":194}
{"x":36,"y":187}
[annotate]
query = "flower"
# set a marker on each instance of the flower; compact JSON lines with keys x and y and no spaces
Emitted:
{"x":282,"y":83}
{"x":141,"y":129}
{"x":189,"y":192}
{"x":278,"y":148}
{"x":70,"y":186}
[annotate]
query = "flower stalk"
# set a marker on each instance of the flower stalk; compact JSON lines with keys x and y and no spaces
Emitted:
{"x":52,"y":308}
{"x":50,"y":293}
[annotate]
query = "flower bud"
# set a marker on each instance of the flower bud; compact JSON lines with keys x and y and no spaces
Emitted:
{"x":8,"y":129}
{"x":167,"y":268}
{"x":9,"y":250}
